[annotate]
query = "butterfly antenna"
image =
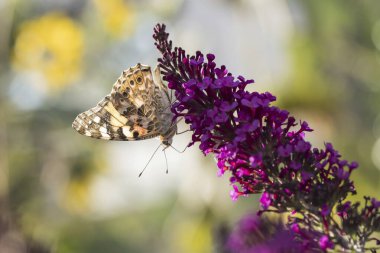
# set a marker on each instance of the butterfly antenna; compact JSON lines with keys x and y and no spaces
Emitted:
{"x":166,"y":159}
{"x":150,"y":159}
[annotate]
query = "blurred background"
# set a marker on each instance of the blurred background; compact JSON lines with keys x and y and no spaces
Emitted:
{"x":62,"y":192}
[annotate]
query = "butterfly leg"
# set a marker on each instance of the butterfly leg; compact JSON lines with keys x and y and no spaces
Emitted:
{"x":176,"y":132}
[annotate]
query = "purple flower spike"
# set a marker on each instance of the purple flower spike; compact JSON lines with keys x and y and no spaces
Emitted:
{"x":254,"y":234}
{"x":264,"y":150}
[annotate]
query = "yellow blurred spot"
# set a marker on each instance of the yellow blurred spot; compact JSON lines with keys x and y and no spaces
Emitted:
{"x":193,"y":236}
{"x":117,"y":16}
{"x":77,"y":197}
{"x":52,"y":45}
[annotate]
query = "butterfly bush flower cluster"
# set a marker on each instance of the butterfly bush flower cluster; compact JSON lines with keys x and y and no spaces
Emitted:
{"x":253,"y":235}
{"x":264,"y":149}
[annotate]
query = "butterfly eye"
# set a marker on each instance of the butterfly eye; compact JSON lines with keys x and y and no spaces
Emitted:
{"x":125,"y":94}
{"x":139,"y":79}
{"x":131,"y":82}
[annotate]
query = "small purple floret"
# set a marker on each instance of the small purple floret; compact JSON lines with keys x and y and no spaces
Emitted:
{"x":325,"y":243}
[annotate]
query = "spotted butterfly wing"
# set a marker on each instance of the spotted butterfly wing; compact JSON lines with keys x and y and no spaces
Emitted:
{"x":137,"y":108}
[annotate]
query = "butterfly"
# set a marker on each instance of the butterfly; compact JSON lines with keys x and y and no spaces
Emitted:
{"x":137,"y":108}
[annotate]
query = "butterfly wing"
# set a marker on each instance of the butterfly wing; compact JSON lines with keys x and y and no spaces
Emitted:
{"x":105,"y":122}
{"x":133,"y":110}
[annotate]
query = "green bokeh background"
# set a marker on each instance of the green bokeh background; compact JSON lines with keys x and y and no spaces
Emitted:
{"x":61,"y":192}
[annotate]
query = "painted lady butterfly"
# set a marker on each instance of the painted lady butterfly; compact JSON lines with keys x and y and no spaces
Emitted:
{"x":137,"y":108}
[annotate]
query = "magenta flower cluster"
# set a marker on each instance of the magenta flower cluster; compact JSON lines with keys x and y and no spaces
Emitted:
{"x":261,"y":235}
{"x":265,"y":150}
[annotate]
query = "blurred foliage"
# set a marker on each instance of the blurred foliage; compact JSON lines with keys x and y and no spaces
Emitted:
{"x":334,"y":82}
{"x":58,"y":58}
